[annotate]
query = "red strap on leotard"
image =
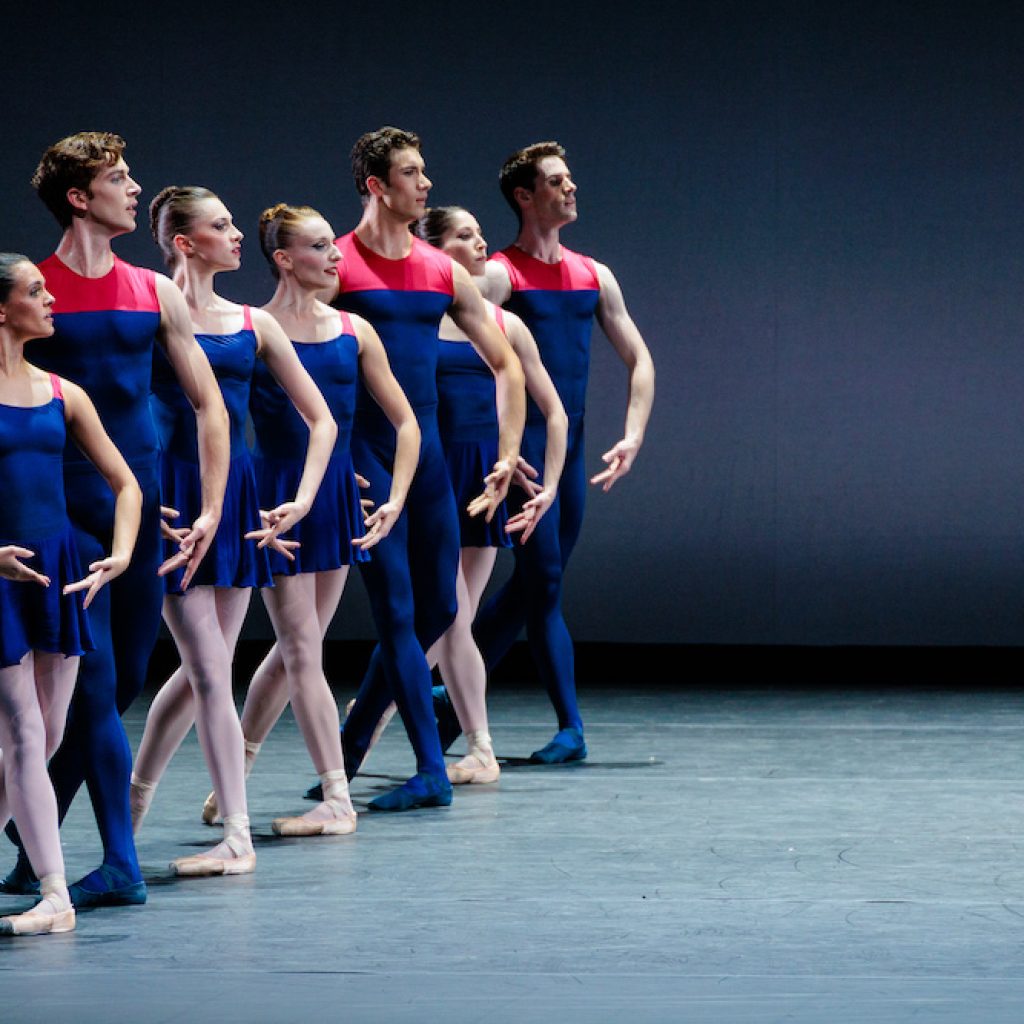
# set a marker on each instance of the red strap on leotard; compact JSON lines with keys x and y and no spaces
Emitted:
{"x":246,"y":319}
{"x":347,"y":327}
{"x":58,"y":391}
{"x":499,"y":319}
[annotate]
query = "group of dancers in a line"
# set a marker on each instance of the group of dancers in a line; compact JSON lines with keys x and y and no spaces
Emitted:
{"x":388,"y":400}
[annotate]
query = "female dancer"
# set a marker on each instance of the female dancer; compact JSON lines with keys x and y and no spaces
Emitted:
{"x":196,"y":234}
{"x":43,"y":627}
{"x":469,"y":433}
{"x":335,"y":348}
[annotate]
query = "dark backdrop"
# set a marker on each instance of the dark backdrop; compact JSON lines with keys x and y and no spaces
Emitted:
{"x":814,"y":211}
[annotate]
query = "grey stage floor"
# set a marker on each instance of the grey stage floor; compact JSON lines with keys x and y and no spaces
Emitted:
{"x":725,"y":855}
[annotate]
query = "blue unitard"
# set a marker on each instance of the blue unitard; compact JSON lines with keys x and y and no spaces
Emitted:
{"x":410,"y":577}
{"x":467,"y":417}
{"x":104,"y":339}
{"x":232,"y":561}
{"x":326,"y":532}
{"x":34,"y":515}
{"x":557,"y":302}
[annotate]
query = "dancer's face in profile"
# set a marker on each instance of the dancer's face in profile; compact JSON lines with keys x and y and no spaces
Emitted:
{"x":111,"y":200}
{"x":553,"y":199}
{"x":311,"y":256}
{"x":406,"y":190}
{"x":28,"y":311}
{"x":212,"y":238}
{"x":465,"y":243}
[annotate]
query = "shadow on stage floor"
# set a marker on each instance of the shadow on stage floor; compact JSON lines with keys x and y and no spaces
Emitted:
{"x":842,"y":843}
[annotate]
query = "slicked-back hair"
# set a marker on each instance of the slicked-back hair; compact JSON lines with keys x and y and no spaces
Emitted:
{"x":8,"y":261}
{"x":431,"y":227}
{"x":172,"y":212}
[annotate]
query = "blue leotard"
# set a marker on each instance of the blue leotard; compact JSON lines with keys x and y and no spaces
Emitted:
{"x":557,"y":301}
{"x":33,"y":515}
{"x":105,"y":331}
{"x":410,"y":578}
{"x":326,"y":533}
{"x":232,"y":561}
{"x":467,"y":417}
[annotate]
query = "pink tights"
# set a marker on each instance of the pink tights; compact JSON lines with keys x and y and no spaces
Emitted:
{"x":205,"y":623}
{"x":34,"y":699}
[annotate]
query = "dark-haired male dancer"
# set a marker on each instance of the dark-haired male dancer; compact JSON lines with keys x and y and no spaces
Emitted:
{"x":107,"y":316}
{"x":403,"y":287}
{"x":557,"y":293}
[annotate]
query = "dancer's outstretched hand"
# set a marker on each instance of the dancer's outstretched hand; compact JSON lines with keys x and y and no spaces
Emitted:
{"x":12,"y":569}
{"x":364,"y":484}
{"x":275,"y":522}
{"x":193,"y":547}
{"x":525,"y":478}
{"x":526,"y":519}
{"x":100,"y":574}
{"x":378,"y":525}
{"x":496,"y":485}
{"x":619,"y":461}
{"x":175,"y":534}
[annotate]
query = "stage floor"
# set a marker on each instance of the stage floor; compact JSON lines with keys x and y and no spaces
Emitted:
{"x":725,"y":855}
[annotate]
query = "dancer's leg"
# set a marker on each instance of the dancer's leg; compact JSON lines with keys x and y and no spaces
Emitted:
{"x":124,"y":618}
{"x":170,"y":717}
{"x":34,"y":697}
{"x":411,"y":584}
{"x":205,"y":622}
{"x":292,"y":609}
{"x":172,"y":713}
{"x":268,"y":692}
{"x":535,"y":589}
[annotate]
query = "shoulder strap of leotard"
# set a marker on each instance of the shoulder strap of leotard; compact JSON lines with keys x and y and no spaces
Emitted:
{"x":58,"y":391}
{"x":499,"y":319}
{"x":347,"y":327}
{"x":246,"y":318}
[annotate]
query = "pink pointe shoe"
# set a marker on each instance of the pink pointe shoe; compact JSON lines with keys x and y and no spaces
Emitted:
{"x":342,"y":826}
{"x":32,"y":922}
{"x":236,"y":839}
{"x":479,"y":766}
{"x":51,"y":915}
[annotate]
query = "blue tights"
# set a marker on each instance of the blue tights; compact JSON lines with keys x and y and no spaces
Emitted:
{"x":410,"y":579}
{"x":532,"y":597}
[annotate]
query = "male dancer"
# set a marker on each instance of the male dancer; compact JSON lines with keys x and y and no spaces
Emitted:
{"x":107,"y":316}
{"x":403,"y":286}
{"x":557,"y":293}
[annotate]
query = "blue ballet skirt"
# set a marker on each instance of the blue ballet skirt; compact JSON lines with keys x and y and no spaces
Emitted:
{"x":325,"y":534}
{"x":232,"y":561}
{"x":36,"y":618}
{"x":468,"y":463}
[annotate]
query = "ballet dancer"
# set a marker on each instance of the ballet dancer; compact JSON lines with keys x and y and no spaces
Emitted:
{"x":108,"y":317}
{"x":43,"y":624}
{"x":558,"y":293}
{"x":337,"y":349}
{"x":469,"y":433}
{"x":199,"y":240}
{"x":403,"y":286}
